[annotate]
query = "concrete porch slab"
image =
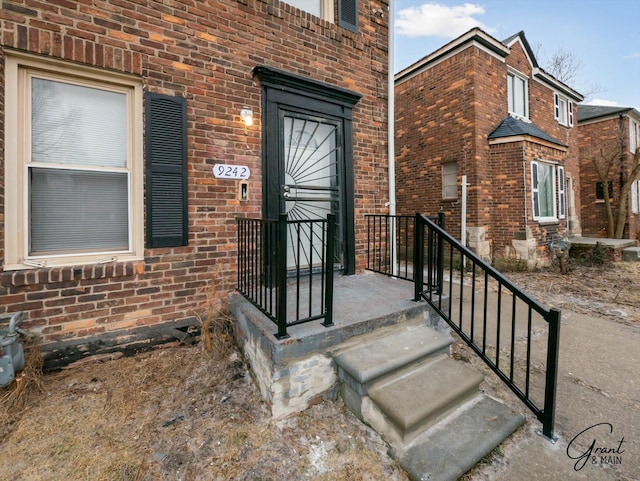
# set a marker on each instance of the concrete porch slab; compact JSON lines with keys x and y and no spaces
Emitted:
{"x":361,"y":303}
{"x":592,"y":241}
{"x":299,"y":371}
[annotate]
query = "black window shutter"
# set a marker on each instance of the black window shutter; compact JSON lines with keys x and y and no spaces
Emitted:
{"x":166,"y":171}
{"x":348,"y":14}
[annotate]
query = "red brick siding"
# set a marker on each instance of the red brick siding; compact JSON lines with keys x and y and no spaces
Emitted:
{"x":435,"y":124}
{"x":593,"y":137}
{"x":490,"y":89}
{"x":541,"y":114}
{"x":205,"y":52}
{"x":506,"y":196}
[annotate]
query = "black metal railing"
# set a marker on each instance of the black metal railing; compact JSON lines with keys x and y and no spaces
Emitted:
{"x":285,"y":269}
{"x":501,"y":323}
{"x":390,"y":243}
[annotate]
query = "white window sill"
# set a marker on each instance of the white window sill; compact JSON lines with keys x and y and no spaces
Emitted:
{"x":519,"y":117}
{"x":45,"y":263}
{"x":547,"y":220}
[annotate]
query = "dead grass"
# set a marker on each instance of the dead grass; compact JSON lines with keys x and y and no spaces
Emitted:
{"x":177,"y":413}
{"x":27,"y":387}
{"x":610,"y":289}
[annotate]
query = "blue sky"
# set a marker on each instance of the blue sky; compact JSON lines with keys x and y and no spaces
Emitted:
{"x":604,"y":35}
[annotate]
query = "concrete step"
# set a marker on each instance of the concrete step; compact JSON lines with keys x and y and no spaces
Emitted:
{"x":379,"y":356}
{"x":401,"y":381}
{"x":422,"y":394}
{"x":453,"y":446}
{"x":631,"y":254}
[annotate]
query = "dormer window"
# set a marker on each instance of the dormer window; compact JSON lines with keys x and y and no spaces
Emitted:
{"x":563,"y":110}
{"x":517,"y":92}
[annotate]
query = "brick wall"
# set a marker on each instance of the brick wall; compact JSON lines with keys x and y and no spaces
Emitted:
{"x":203,"y":51}
{"x":434,"y":115}
{"x":594,"y":138}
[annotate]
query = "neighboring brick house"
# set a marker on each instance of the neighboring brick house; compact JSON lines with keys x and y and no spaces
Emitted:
{"x":115,"y":223}
{"x":485,"y":109}
{"x":604,"y":131}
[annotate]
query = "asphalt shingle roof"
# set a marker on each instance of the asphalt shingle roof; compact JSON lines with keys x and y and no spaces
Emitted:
{"x":588,"y":112}
{"x":511,"y":126}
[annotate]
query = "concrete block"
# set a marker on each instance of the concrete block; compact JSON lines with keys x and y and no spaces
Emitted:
{"x":631,"y":254}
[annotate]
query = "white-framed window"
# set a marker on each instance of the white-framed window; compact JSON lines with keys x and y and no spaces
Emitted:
{"x":635,"y":197}
{"x":543,"y":191}
{"x":562,"y":197}
{"x":517,"y":95}
{"x":74,"y":165}
{"x":634,"y":135}
{"x":562,"y":110}
{"x":450,"y":180}
{"x":319,"y":8}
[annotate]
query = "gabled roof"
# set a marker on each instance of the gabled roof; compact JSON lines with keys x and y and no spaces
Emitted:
{"x":525,"y":43}
{"x":481,"y":39}
{"x":537,"y":71}
{"x":591,"y":112}
{"x":475,"y":36}
{"x":511,"y":127}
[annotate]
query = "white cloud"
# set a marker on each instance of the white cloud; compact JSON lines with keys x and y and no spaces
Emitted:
{"x":633,"y":55}
{"x":434,"y":19}
{"x":603,"y":103}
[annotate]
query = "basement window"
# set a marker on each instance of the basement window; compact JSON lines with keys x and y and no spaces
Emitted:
{"x":450,"y":181}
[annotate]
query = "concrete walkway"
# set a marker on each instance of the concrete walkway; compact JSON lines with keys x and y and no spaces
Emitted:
{"x":598,"y":385}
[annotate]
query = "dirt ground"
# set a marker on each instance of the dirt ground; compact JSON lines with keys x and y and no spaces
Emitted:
{"x":611,"y":290}
{"x":183,"y":413}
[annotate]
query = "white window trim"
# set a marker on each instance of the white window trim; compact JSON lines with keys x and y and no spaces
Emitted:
{"x":535,"y":189}
{"x":568,"y":110}
{"x":16,"y":151}
{"x":634,"y":135}
{"x":635,"y":197}
{"x":562,"y":196}
{"x":570,"y":104}
{"x":515,"y":73}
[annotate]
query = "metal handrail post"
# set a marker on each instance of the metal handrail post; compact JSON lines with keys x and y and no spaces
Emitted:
{"x":418,"y":258}
{"x":440,"y":255}
{"x":281,"y":277}
{"x":553,"y":351}
{"x":328,"y":265}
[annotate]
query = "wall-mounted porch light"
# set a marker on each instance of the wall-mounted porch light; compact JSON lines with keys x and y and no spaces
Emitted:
{"x":247,"y":117}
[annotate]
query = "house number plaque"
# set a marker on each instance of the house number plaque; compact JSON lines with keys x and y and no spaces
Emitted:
{"x":224,"y":171}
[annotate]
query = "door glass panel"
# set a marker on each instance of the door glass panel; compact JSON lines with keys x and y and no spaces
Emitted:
{"x":312,"y":183}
